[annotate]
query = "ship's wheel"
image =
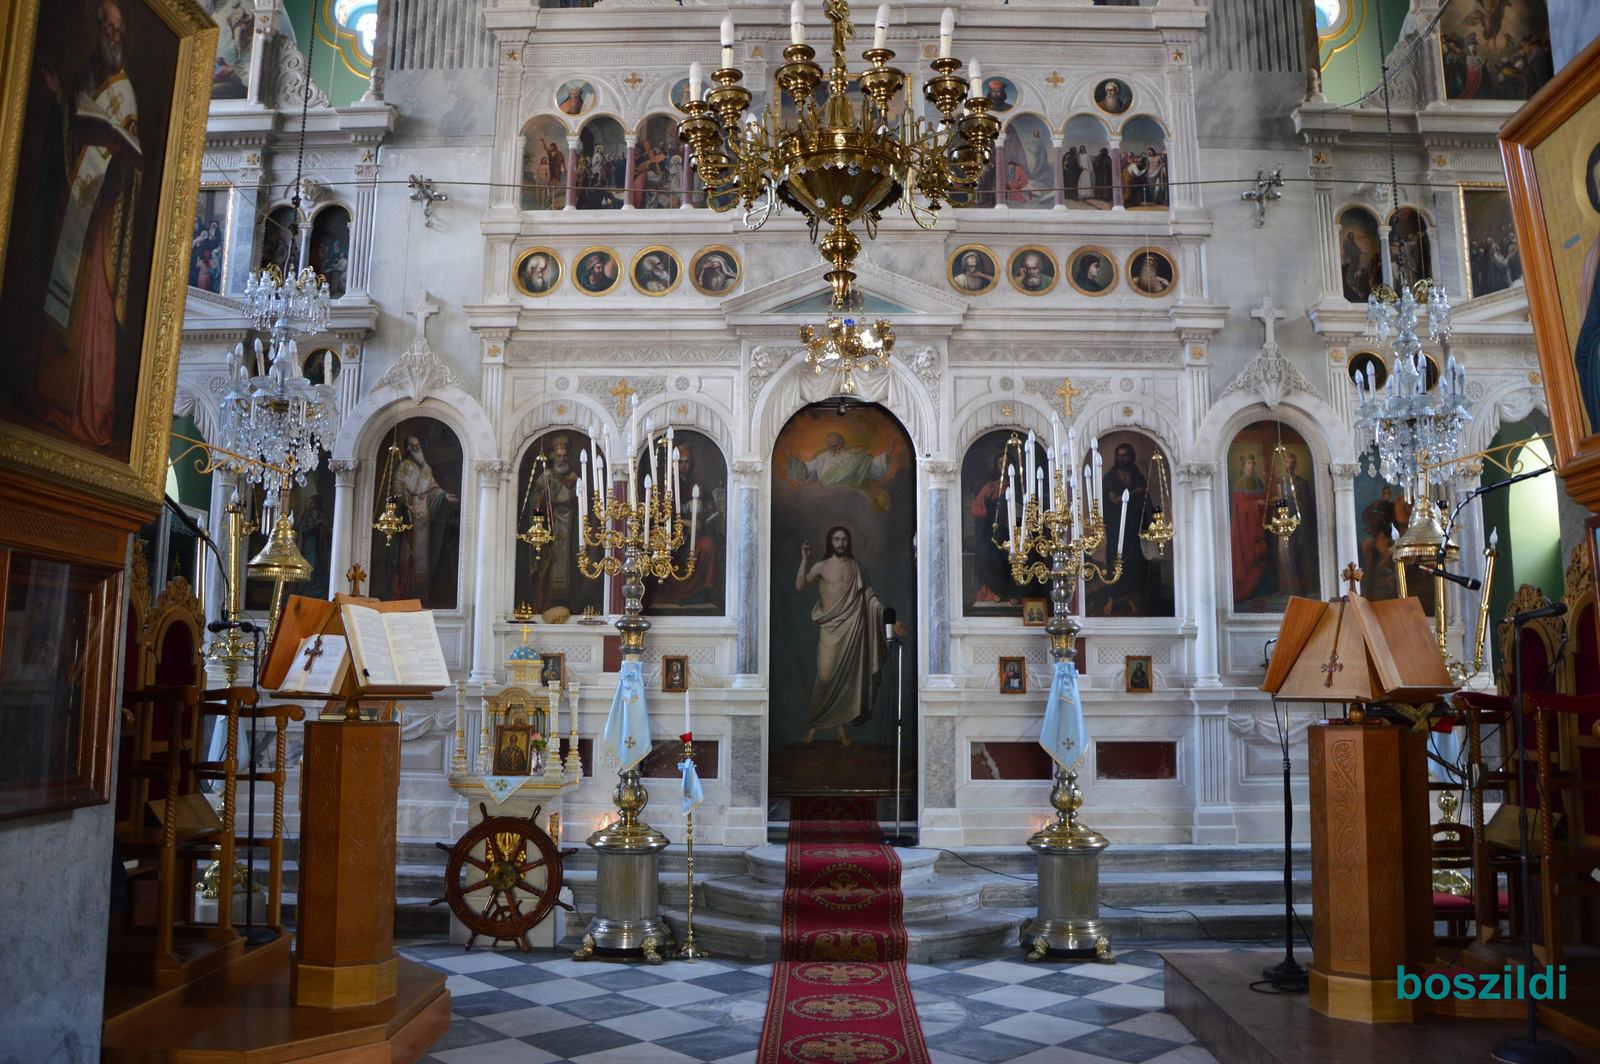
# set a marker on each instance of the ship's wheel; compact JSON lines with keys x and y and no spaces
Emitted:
{"x":517,"y":855}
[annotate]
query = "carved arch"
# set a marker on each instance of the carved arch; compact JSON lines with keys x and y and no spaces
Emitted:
{"x":905,"y":397}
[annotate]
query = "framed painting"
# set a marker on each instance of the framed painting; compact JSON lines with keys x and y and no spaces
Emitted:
{"x":1551,"y":153}
{"x":1151,"y":272}
{"x":972,"y":269}
{"x":1136,"y":667}
{"x":208,"y":251}
{"x":656,"y":270}
{"x":674,"y":673}
{"x":553,"y":669}
{"x":537,"y":272}
{"x":1494,"y":262}
{"x":1035,"y":612}
{"x":715,"y":270}
{"x":513,"y":749}
{"x":101,"y":136}
{"x":1013,"y":676}
{"x":1033,"y":270}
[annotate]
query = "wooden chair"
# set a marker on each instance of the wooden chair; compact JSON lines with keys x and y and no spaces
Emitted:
{"x":1452,"y":852}
{"x":1568,"y":760}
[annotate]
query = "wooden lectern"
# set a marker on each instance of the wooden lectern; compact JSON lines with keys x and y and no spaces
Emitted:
{"x":344,"y":916}
{"x":1370,"y":861}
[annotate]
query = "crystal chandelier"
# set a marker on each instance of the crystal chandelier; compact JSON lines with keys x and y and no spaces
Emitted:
{"x":845,"y":347}
{"x":271,"y":413}
{"x":1415,"y":432}
{"x":838,"y":161}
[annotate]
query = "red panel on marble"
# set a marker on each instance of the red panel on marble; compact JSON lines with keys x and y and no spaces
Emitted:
{"x":1146,"y":760}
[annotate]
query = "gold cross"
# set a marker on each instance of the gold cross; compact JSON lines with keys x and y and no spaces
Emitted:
{"x":633,"y":81}
{"x":356,"y":575}
{"x":1066,"y":391}
{"x":114,"y":106}
{"x":1351,"y":576}
{"x":1005,"y":411}
{"x":629,"y":743}
{"x":622,"y":391}
{"x":1055,"y":79}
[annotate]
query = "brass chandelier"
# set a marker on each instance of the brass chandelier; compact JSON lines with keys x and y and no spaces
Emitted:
{"x":839,"y":162}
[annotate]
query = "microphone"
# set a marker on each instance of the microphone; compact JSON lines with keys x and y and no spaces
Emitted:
{"x":1468,"y":582}
{"x":222,"y":626}
{"x":888,"y":623}
{"x":1554,"y":610}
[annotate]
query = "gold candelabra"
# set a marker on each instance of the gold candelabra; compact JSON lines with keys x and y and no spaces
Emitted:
{"x":839,"y":160}
{"x":1283,"y":514}
{"x":391,"y":521}
{"x":1160,"y":530}
{"x":1060,"y":525}
{"x":537,"y":534}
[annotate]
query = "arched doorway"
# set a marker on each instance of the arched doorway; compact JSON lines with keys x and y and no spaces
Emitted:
{"x":844,"y":520}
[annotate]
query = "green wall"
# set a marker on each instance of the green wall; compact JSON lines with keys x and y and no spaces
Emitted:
{"x":1352,"y":61}
{"x":330,"y":67}
{"x":1530,"y":543}
{"x":193,"y":489}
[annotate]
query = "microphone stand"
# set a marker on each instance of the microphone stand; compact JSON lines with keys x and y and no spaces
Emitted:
{"x":898,"y":839}
{"x":1527,"y":1050}
{"x":253,"y":935}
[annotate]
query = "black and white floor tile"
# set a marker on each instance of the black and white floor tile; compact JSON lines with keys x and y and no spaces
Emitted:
{"x":544,"y":1008}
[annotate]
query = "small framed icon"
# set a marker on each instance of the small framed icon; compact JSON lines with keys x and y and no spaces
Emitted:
{"x":715,"y":270}
{"x":1113,"y":96}
{"x":1013,"y":676}
{"x":1152,"y":272}
{"x":513,"y":750}
{"x":1033,"y":271}
{"x":1141,"y":678}
{"x":1035,"y":612}
{"x":1092,"y":271}
{"x":554,"y":669}
{"x":596,"y":272}
{"x":674,"y":673}
{"x":656,"y":270}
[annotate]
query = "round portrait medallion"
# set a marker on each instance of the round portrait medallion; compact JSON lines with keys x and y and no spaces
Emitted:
{"x":1113,"y":96}
{"x":1033,"y":271}
{"x":1092,"y":271}
{"x":1152,"y":272}
{"x":972,"y":270}
{"x":596,"y":271}
{"x":656,"y":270}
{"x":575,"y":97}
{"x":537,"y":271}
{"x":715,"y":270}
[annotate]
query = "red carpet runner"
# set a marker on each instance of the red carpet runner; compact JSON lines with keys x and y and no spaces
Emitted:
{"x":840,"y":994}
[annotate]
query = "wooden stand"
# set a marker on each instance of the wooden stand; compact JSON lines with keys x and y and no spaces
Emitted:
{"x":1370,"y":876}
{"x":344,"y":936}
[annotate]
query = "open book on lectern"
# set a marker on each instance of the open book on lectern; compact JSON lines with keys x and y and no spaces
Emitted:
{"x":351,"y":647}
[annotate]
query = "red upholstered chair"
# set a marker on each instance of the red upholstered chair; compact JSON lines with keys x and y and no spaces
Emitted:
{"x":1568,"y":759}
{"x":1453,"y":851}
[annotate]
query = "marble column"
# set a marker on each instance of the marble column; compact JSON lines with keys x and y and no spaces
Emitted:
{"x":1059,"y":181}
{"x":344,"y":507}
{"x":627,"y":172}
{"x":362,"y":222}
{"x":1116,"y":173}
{"x":216,"y":589}
{"x":1388,"y":263}
{"x":1213,"y":821}
{"x":572,"y":174}
{"x":747,"y":652}
{"x":1346,"y":545}
{"x":243,"y":224}
{"x":483,"y":595}
{"x":1203,"y":589}
{"x":380,"y":53}
{"x":940,"y":475}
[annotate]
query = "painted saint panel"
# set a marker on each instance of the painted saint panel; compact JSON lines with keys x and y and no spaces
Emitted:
{"x":92,"y":122}
{"x":599,"y":169}
{"x":329,"y":252}
{"x":1410,"y":247}
{"x":700,"y":465}
{"x":657,"y":164}
{"x":1144,"y":163}
{"x":843,"y":520}
{"x":1383,"y":513}
{"x":425,"y":481}
{"x":987,"y":589}
{"x":1495,"y":49}
{"x":277,"y":245}
{"x":1269,"y":569}
{"x":547,"y":484}
{"x":208,"y":251}
{"x":1360,"y":255}
{"x":236,"y":31}
{"x":1086,"y":164}
{"x":1028,"y":163}
{"x":1493,"y":258}
{"x":1145,"y":588}
{"x":544,"y":164}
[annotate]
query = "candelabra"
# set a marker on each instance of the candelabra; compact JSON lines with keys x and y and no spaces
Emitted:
{"x":391,"y":521}
{"x":644,"y":520}
{"x":839,"y":161}
{"x":845,"y":347}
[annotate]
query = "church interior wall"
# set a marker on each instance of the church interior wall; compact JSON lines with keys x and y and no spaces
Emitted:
{"x":1188,"y":368}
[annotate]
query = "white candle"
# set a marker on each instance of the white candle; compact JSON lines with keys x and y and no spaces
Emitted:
{"x":1050,"y":474}
{"x":947,"y":29}
{"x":647,"y":484}
{"x":687,"y":730}
{"x":1011,"y":474}
{"x":1122,"y":526}
{"x":1006,"y":513}
{"x":633,"y":423}
{"x":880,"y":27}
{"x":1494,"y":537}
{"x":727,"y":42}
{"x":1055,"y":431}
{"x":974,"y":79}
{"x":1011,"y":509}
{"x":1031,"y":459}
{"x":583,"y":496}
{"x":633,"y":476}
{"x":1072,"y":450}
{"x":694,"y":520}
{"x":1099,"y":463}
{"x":797,"y":23}
{"x":1088,"y":493}
{"x":1038,"y":487}
{"x":696,"y":79}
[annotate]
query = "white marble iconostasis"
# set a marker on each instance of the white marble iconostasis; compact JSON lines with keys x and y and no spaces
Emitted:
{"x":438,"y":328}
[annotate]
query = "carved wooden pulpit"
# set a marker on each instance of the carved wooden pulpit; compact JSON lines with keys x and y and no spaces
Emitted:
{"x":1370,"y":872}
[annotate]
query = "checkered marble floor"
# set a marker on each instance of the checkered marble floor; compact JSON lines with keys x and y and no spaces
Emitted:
{"x":543,"y":1007}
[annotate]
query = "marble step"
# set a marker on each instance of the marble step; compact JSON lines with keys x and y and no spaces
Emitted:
{"x":741,"y":938}
{"x":1118,"y":857}
{"x":1170,"y":889}
{"x":768,"y":864}
{"x":931,"y":899}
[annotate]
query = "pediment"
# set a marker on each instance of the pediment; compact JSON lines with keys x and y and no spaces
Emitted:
{"x":209,"y":316}
{"x":1506,"y":307}
{"x":883,"y":292}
